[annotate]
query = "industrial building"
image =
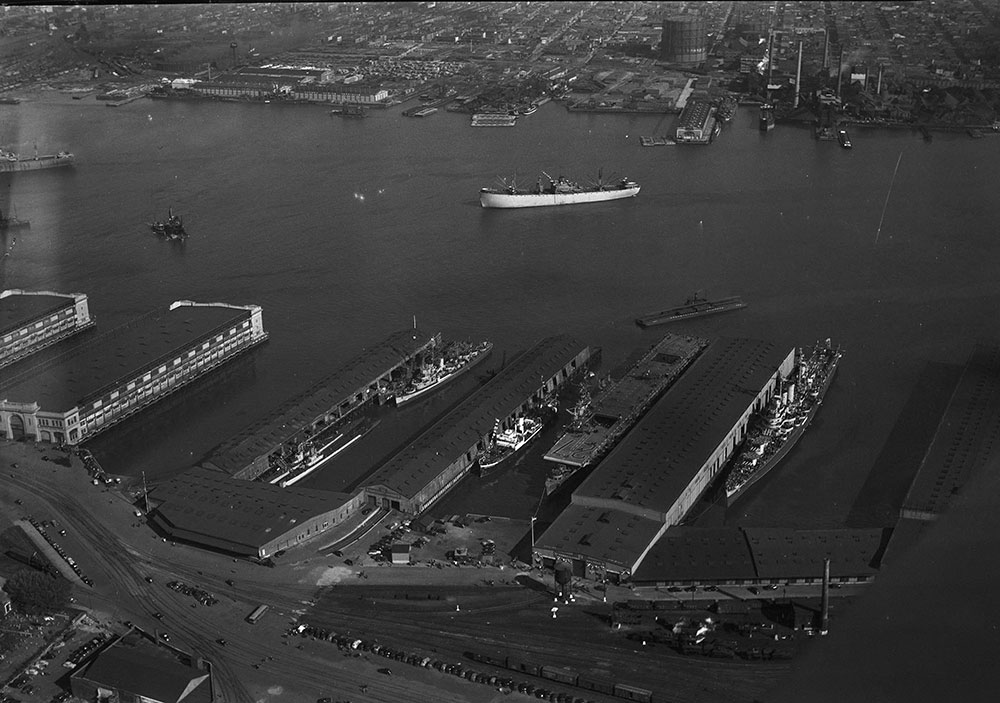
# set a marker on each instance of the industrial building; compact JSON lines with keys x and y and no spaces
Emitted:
{"x":32,"y":320}
{"x":250,"y":518}
{"x":731,"y":556}
{"x":684,"y":40}
{"x":71,"y":397}
{"x":136,"y":668}
{"x":661,"y":468}
{"x":696,"y":122}
{"x":261,"y":445}
{"x":429,"y":466}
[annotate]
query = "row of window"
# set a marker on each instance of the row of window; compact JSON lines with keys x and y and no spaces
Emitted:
{"x":28,"y":336}
{"x":143,"y":394}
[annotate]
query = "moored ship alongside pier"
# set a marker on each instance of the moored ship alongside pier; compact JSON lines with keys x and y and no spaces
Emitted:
{"x":784,"y":420}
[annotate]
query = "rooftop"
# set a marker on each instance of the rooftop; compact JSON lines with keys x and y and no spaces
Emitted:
{"x":62,"y":380}
{"x":599,"y":534}
{"x":139,"y":667}
{"x":658,"y":459}
{"x":409,"y":471}
{"x":967,"y":436}
{"x":236,"y":515}
{"x":784,"y":553}
{"x":698,"y":554}
{"x":285,"y":421}
{"x":18,"y":308}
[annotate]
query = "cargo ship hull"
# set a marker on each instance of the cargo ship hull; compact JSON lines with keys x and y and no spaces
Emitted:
{"x":473,"y":360}
{"x":18,"y":165}
{"x":492,"y":199}
{"x":734,"y":490}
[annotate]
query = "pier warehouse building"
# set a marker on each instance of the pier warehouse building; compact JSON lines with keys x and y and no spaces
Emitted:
{"x":263,"y":444}
{"x":659,"y":470}
{"x":250,"y":518}
{"x":432,"y":464}
{"x":32,"y":320}
{"x":72,"y":397}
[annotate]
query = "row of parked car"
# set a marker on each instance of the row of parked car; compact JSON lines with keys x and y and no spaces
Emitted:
{"x":502,"y":683}
{"x":59,"y":550}
{"x":84,"y":651}
{"x":202,"y":596}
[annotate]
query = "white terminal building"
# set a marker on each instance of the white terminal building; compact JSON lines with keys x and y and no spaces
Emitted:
{"x":32,"y":320}
{"x":72,"y":396}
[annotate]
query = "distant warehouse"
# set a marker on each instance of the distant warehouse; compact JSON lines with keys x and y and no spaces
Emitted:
{"x":74,"y":395}
{"x":32,"y":320}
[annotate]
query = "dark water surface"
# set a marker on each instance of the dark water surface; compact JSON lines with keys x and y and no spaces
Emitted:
{"x":342,"y":230}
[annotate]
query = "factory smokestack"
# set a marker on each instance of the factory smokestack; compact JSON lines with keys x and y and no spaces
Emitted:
{"x":878,"y":89}
{"x":824,"y":625}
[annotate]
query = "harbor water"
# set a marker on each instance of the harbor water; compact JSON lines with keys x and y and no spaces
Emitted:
{"x":344,"y":230}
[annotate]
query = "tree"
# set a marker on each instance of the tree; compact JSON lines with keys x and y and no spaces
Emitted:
{"x":35,"y":593}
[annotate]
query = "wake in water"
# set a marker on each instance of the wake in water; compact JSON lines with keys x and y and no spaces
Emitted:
{"x":884,"y":206}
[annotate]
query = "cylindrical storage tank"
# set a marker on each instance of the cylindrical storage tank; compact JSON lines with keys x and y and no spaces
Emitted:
{"x":684,"y":40}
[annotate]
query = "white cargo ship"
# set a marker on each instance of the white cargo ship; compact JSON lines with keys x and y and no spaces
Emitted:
{"x":558,"y":191}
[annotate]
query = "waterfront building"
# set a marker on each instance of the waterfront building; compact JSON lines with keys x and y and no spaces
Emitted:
{"x":427,"y":468}
{"x":249,"y":518}
{"x":696,"y":122}
{"x":260,"y":446}
{"x":733,"y":556}
{"x":659,"y":470}
{"x":32,"y":320}
{"x":72,"y":396}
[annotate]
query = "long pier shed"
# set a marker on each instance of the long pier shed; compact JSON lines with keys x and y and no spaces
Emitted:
{"x":250,"y":452}
{"x":431,"y":465}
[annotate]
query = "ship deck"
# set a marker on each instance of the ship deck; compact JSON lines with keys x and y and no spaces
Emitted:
{"x":621,"y":405}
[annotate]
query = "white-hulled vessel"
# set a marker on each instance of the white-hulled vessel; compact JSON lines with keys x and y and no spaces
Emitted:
{"x":556,"y":192}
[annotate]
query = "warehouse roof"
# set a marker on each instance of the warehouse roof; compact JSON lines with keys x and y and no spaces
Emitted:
{"x":236,"y":515}
{"x":424,"y":459}
{"x":966,"y":436}
{"x":698,"y":554}
{"x":599,"y":534}
{"x":19,"y":308}
{"x":281,"y":424}
{"x":658,"y":459}
{"x":141,"y":668}
{"x":780,"y":553}
{"x":62,"y":380}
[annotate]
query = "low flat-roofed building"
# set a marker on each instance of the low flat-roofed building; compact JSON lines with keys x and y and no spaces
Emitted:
{"x":967,"y":437}
{"x":663,"y":465}
{"x":134,"y":669}
{"x":733,"y":556}
{"x":250,"y":452}
{"x":32,"y":320}
{"x":252,"y":518}
{"x":429,"y":466}
{"x":71,"y":396}
{"x":782,"y":555}
{"x":686,"y":555}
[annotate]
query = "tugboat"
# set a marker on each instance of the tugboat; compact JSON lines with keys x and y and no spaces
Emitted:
{"x":171,"y":228}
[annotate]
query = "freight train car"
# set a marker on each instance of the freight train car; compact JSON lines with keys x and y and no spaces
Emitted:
{"x":632,"y":693}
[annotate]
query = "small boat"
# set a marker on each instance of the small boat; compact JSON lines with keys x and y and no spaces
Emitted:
{"x":171,"y":228}
{"x":845,"y":141}
{"x":695,"y":306}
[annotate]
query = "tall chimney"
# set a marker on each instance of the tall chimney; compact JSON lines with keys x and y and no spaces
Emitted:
{"x":824,"y":625}
{"x":826,"y":50}
{"x":878,"y":89}
{"x":840,"y":69}
{"x":798,"y":77}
